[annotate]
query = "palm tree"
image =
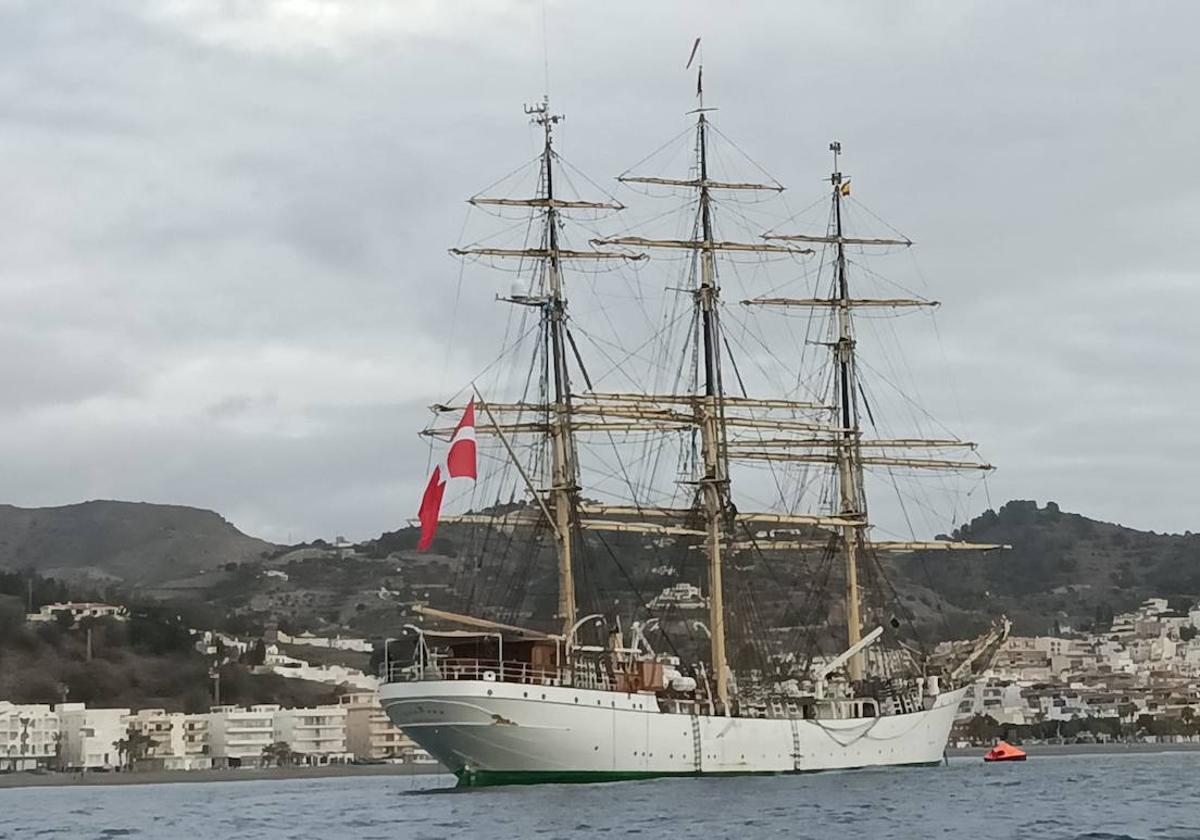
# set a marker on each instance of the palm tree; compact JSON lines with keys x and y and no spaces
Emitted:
{"x":280,"y":755}
{"x":133,"y":746}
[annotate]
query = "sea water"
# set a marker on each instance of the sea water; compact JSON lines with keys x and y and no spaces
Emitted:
{"x":1110,"y":797}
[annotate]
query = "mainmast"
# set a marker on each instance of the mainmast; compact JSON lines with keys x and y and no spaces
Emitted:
{"x":714,"y":484}
{"x":713,"y":480}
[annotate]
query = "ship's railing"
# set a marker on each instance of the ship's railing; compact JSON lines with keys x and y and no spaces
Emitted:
{"x":487,"y":670}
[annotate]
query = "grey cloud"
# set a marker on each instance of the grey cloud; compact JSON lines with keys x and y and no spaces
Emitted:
{"x":223,"y":277}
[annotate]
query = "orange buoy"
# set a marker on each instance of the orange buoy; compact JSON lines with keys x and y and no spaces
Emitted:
{"x":1005,"y":751}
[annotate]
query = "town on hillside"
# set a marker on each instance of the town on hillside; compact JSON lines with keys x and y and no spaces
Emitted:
{"x":1134,"y":676}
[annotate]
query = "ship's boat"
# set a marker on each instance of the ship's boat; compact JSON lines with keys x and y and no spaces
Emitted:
{"x":1005,"y":751}
{"x":739,"y":458}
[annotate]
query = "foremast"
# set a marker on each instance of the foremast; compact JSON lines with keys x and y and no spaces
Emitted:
{"x":564,"y":467}
{"x":562,"y":495}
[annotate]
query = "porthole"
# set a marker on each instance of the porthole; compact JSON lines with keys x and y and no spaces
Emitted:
{"x":489,"y":692}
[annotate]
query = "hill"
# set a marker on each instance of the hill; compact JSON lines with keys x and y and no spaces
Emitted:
{"x":135,"y":543}
{"x":1063,"y":567}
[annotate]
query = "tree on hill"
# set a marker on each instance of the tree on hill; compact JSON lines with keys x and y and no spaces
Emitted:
{"x":256,"y":655}
{"x":157,"y":631}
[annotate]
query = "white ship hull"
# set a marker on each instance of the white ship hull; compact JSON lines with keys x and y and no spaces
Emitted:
{"x":511,"y":733}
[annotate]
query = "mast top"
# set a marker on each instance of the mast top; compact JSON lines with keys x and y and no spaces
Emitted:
{"x":539,"y":114}
{"x":836,"y":148}
{"x":699,"y":109}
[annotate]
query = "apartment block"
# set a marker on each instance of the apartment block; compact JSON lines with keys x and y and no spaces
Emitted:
{"x":317,"y":734}
{"x":370,"y":735}
{"x":236,"y":736}
{"x":28,"y":736}
{"x":90,"y":736}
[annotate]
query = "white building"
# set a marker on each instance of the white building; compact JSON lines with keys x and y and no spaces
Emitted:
{"x":999,"y":699}
{"x":684,"y":596}
{"x":334,"y":643}
{"x":169,"y":747}
{"x":293,"y":668}
{"x":90,"y":736}
{"x":1152,"y":607}
{"x":208,"y":639}
{"x":370,"y":735}
{"x":317,"y":734}
{"x":77,"y":611}
{"x":195,"y":739}
{"x":28,"y":736}
{"x":236,"y":736}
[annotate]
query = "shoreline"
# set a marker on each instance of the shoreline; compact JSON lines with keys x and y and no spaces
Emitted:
{"x":160,"y":777}
{"x":1113,"y":748}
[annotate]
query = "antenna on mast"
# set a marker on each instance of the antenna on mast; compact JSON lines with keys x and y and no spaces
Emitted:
{"x":836,"y":177}
{"x":539,"y":113}
{"x":545,"y":50}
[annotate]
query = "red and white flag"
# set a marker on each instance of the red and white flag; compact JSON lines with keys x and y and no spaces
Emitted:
{"x":460,"y":463}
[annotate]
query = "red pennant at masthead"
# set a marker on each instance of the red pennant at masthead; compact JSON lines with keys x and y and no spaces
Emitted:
{"x":460,"y":463}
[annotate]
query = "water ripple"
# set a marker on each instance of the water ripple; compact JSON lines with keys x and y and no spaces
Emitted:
{"x":1127,"y":797}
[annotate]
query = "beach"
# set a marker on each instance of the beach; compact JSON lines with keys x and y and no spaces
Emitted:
{"x":158,"y":777}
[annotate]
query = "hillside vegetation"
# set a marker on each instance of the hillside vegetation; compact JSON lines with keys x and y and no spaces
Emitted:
{"x":145,"y":662}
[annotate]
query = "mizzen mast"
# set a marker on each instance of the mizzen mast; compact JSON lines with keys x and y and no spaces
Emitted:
{"x":849,"y":467}
{"x":847,"y":443}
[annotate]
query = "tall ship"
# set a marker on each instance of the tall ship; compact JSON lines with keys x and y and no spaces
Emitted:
{"x":664,"y":493}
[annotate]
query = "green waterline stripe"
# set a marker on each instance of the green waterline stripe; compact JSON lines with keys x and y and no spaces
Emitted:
{"x":497,"y":778}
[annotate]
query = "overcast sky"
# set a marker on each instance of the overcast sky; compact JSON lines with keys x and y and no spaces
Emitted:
{"x":223,"y":277}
